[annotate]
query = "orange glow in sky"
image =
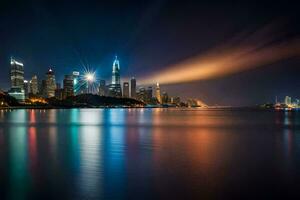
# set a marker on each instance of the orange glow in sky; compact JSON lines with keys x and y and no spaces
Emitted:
{"x":231,"y":58}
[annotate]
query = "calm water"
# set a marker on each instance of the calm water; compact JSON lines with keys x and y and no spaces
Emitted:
{"x":149,"y":154}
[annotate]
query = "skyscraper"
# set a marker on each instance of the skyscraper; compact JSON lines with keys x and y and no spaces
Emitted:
{"x":126,"y":89}
{"x":42,"y":89}
{"x":102,"y":88}
{"x":34,"y":85}
{"x":26,"y":88}
{"x":115,"y":86}
{"x":133,"y":88}
{"x":68,"y":86}
{"x":16,"y":74}
{"x":76,"y":82}
{"x":50,"y":84}
{"x":165,"y":98}
{"x":288,"y":100}
{"x":149,"y":92}
{"x":142,"y":96}
{"x":157,"y":93}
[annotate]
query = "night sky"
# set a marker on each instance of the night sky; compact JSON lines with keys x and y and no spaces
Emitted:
{"x":149,"y":36}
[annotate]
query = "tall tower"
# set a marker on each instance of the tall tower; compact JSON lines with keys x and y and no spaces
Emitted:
{"x":115,"y":86}
{"x":102,"y":88}
{"x":126,"y":89}
{"x":68,"y":83}
{"x":50,"y":84}
{"x":157,"y":93}
{"x":133,"y":88}
{"x":34,"y":85}
{"x":116,"y":72}
{"x":16,"y":74}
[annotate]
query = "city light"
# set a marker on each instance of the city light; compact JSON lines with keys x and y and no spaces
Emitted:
{"x":90,"y":77}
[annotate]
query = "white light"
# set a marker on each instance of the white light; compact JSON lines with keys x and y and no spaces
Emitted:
{"x":76,"y":73}
{"x":90,"y":77}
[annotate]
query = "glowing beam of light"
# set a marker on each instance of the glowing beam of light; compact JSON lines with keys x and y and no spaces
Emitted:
{"x":226,"y":60}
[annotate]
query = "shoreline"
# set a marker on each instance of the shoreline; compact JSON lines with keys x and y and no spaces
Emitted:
{"x":242,"y":108}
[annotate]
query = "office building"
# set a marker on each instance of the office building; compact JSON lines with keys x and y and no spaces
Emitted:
{"x":157,"y":93}
{"x":16,"y":74}
{"x":175,"y":100}
{"x":288,"y":100}
{"x":59,"y":93}
{"x":76,"y":82}
{"x":142,"y":95}
{"x":126,"y":89}
{"x":102,"y":88}
{"x":26,"y":88}
{"x":165,"y":98}
{"x":133,"y":88}
{"x":149,"y":92}
{"x":42,"y":89}
{"x":68,"y":86}
{"x":50,"y":84}
{"x":17,"y":93}
{"x":34,"y":85}
{"x":115,"y":86}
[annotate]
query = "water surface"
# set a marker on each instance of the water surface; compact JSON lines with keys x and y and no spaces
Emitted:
{"x":149,"y":154}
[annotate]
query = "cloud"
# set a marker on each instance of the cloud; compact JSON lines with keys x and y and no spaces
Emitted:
{"x":245,"y":52}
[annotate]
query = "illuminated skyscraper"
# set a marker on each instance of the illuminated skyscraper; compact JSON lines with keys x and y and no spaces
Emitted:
{"x":165,"y":98}
{"x":76,"y":82}
{"x":26,"y":88}
{"x":115,"y":86}
{"x":149,"y":92}
{"x":157,"y":93}
{"x":133,"y":88}
{"x":16,"y":74}
{"x":116,"y":72}
{"x":34,"y":85}
{"x":142,"y":95}
{"x":102,"y":88}
{"x":126,"y":89}
{"x":50,"y":84}
{"x":68,"y":86}
{"x":288,"y":100}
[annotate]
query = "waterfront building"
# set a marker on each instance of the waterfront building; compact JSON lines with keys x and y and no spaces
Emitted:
{"x":115,"y":86}
{"x":16,"y":74}
{"x":126,"y":89}
{"x":165,"y":98}
{"x":175,"y":100}
{"x":149,"y":92}
{"x":288,"y":100}
{"x":59,"y":93}
{"x":17,"y":93}
{"x":34,"y":85}
{"x":42,"y":90}
{"x":142,"y":95}
{"x":50,"y":84}
{"x":157,"y":93}
{"x":76,"y":82}
{"x":102,"y":88}
{"x":26,"y":88}
{"x":68,"y":83}
{"x":133,"y":88}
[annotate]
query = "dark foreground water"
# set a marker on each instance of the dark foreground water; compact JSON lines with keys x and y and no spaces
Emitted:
{"x":149,"y":154}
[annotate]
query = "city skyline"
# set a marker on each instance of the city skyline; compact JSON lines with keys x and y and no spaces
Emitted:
{"x":78,"y":83}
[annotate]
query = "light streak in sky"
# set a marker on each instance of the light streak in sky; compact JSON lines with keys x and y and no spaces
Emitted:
{"x":254,"y":51}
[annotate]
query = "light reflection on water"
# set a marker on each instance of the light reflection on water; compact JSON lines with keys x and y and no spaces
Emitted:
{"x":146,"y":153}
